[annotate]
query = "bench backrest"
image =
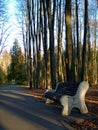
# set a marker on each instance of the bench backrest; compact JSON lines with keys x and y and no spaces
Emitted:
{"x":67,"y":88}
{"x":82,"y":89}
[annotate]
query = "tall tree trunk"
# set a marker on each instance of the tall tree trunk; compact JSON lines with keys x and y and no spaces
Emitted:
{"x":78,"y":46}
{"x":69,"y":73}
{"x":29,"y":41}
{"x":94,"y":55}
{"x":51,"y":19}
{"x":45,"y":43}
{"x":84,"y":41}
{"x":59,"y":59}
{"x":37,"y":45}
{"x":38,"y":42}
{"x":89,"y":53}
{"x":33,"y":42}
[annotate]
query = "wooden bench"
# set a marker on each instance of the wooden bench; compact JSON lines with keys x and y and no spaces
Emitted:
{"x":69,"y":95}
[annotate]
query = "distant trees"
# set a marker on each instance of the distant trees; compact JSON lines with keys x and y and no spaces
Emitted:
{"x":4,"y":63}
{"x":2,"y":76}
{"x":17,"y":70}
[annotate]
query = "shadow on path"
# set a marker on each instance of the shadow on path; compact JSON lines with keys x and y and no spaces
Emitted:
{"x":19,"y":110}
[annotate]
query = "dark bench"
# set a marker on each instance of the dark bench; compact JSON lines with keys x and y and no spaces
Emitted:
{"x":66,"y":93}
{"x":62,"y":88}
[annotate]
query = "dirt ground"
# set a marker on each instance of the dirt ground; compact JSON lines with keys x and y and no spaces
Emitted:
{"x":91,"y":102}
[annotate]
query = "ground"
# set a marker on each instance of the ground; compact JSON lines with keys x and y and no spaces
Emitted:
{"x":92,"y":104}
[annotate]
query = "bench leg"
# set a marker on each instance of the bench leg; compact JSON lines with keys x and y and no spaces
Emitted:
{"x":65,"y":110}
{"x":67,"y":105}
{"x":49,"y":101}
{"x":83,"y":108}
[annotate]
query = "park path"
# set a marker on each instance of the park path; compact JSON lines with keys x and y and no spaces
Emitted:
{"x":20,"y":111}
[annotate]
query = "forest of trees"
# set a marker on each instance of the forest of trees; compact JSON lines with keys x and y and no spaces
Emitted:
{"x":60,"y":39}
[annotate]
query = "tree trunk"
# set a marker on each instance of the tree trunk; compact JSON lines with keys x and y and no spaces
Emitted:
{"x":45,"y":43}
{"x":84,"y":41}
{"x":29,"y":42}
{"x":69,"y":73}
{"x":38,"y":42}
{"x":78,"y":44}
{"x":33,"y":44}
{"x":51,"y":19}
{"x":94,"y":55}
{"x":59,"y":59}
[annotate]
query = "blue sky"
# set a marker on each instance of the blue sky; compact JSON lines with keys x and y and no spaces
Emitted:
{"x":14,"y":29}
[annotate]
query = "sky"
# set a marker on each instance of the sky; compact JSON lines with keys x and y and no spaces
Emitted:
{"x":14,"y":28}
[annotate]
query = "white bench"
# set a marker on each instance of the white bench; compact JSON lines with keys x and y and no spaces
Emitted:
{"x":71,"y":97}
{"x":77,"y":101}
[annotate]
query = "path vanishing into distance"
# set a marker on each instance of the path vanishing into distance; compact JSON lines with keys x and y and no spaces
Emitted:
{"x":21,"y":111}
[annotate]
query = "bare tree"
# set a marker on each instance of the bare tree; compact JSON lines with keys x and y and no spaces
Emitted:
{"x":21,"y":18}
{"x":4,"y":29}
{"x":4,"y":34}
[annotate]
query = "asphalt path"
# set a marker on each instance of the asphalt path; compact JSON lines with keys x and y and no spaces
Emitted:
{"x":21,"y":111}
